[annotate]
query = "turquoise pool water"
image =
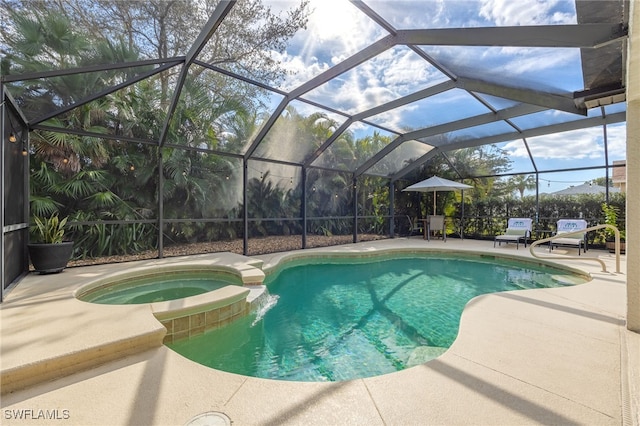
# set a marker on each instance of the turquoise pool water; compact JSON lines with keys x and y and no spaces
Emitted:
{"x":159,"y":287}
{"x":336,"y":319}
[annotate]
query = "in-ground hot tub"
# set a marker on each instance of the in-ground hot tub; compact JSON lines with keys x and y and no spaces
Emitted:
{"x":158,"y":286}
{"x":188,"y":299}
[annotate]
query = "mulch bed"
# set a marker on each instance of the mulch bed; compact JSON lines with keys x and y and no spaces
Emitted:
{"x":256,"y":246}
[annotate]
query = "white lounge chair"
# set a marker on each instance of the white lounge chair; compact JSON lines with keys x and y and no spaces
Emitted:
{"x":518,"y":229}
{"x":575,"y":240}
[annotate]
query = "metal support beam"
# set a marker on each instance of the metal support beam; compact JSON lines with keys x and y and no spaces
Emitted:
{"x":421,"y":94}
{"x":304,"y":207}
{"x":102,"y":93}
{"x":245,"y":209}
{"x":606,"y":158}
{"x":176,"y":60}
{"x":346,"y":65}
{"x":506,"y":137}
{"x":325,"y":145}
{"x":379,"y":155}
{"x":539,"y":131}
{"x":218,"y":15}
{"x":414,"y":165}
{"x":577,"y":36}
{"x":160,"y":204}
{"x":354,"y":189}
{"x":528,"y":96}
{"x":478,"y":120}
{"x":265,"y":129}
{"x":537,"y":198}
{"x":392,"y":208}
{"x":2,"y":183}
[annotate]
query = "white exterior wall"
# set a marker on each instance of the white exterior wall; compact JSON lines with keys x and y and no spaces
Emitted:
{"x":633,"y":171}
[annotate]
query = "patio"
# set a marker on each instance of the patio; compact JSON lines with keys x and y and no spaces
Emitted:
{"x":401,"y":94}
{"x":552,"y":356}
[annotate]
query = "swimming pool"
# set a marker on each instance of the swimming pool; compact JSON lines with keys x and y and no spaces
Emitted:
{"x":157,"y":287}
{"x":335,"y":319}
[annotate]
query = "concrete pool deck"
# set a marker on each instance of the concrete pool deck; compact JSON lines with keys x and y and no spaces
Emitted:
{"x":550,"y":356}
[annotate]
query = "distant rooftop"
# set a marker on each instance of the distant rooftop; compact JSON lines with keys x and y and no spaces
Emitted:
{"x":585,"y":188}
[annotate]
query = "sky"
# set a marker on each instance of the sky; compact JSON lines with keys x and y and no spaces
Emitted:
{"x":337,"y":30}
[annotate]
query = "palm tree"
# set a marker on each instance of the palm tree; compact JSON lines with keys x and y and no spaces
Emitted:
{"x":522,"y":183}
{"x":265,"y":200}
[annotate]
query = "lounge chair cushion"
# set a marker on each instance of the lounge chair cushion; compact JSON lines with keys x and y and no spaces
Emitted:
{"x":574,"y":239}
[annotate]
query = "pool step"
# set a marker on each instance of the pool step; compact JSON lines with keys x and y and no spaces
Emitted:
{"x":422,"y":354}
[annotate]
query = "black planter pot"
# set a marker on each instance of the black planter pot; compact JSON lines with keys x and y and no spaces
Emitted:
{"x":50,"y":258}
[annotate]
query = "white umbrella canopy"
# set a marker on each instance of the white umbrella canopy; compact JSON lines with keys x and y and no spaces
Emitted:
{"x":434,"y":184}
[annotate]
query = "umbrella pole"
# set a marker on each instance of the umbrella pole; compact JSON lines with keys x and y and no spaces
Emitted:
{"x":434,"y":203}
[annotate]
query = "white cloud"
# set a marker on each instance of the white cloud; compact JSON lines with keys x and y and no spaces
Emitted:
{"x":527,"y":12}
{"x":575,"y":145}
{"x":617,"y":141}
{"x":299,"y":71}
{"x":335,"y":31}
{"x":406,"y":69}
{"x":410,"y":14}
{"x":390,"y":75}
{"x":533,"y":60}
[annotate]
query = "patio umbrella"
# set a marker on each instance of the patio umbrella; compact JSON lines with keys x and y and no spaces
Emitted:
{"x":435,"y":183}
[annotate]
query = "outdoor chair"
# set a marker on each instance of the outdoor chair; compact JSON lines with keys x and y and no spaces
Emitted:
{"x":435,"y":226}
{"x":574,"y":240}
{"x":518,"y":229}
{"x":415,"y":227}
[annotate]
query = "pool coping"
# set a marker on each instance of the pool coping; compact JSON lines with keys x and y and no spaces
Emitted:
{"x":149,"y":325}
{"x":247,"y":272}
{"x":274,"y":263}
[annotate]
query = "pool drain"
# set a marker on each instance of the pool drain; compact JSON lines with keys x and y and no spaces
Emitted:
{"x":211,"y":418}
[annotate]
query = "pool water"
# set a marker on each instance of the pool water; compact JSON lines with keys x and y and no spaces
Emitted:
{"x":336,"y":321}
{"x":159,"y":288}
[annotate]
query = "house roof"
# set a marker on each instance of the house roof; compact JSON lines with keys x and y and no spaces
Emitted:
{"x":585,"y":188}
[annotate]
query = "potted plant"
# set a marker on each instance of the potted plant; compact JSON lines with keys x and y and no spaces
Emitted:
{"x":49,"y":252}
{"x":611,"y":218}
